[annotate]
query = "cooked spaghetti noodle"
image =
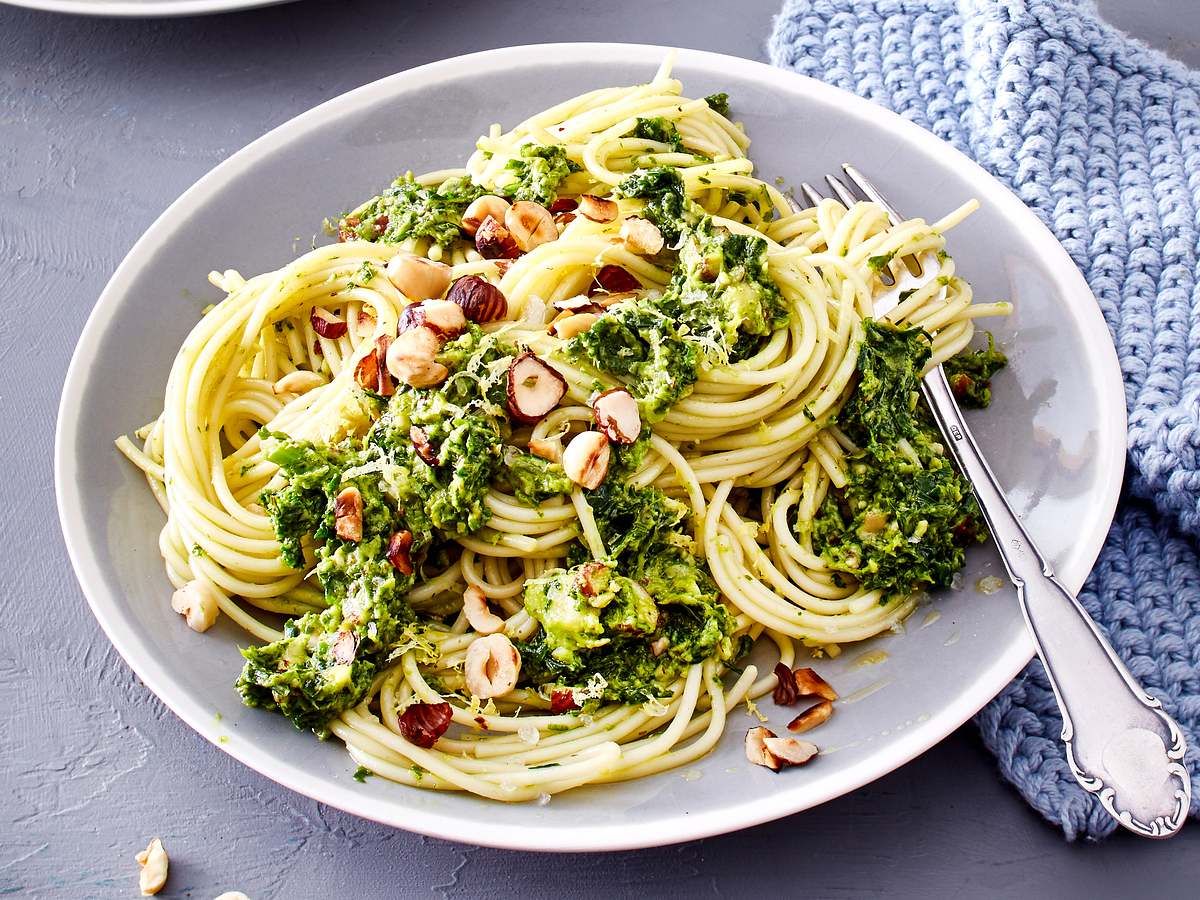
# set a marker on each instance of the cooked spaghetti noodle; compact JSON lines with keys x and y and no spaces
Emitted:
{"x":752,"y":453}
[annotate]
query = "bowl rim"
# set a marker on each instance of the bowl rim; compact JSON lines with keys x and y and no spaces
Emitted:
{"x":132,"y":9}
{"x":1077,"y":302}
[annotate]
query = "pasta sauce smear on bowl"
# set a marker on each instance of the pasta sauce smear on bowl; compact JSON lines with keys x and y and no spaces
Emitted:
{"x":507,"y":482}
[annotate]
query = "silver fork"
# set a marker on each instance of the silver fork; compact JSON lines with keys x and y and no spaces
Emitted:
{"x":1119,"y":742}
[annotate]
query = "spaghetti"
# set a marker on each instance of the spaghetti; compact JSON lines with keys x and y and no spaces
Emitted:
{"x":742,"y":454}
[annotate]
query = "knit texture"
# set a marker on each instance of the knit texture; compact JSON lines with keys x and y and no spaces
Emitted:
{"x":1100,"y":136}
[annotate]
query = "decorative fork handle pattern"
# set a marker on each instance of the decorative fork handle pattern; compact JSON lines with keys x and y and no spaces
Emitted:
{"x":1120,"y":744}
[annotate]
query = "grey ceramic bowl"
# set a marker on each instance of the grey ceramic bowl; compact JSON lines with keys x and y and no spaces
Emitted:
{"x":1055,"y":434}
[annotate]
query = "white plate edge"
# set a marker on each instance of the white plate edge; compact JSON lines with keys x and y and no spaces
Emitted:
{"x":127,"y":9}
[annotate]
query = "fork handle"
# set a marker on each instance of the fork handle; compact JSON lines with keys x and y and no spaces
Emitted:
{"x":1120,"y":744}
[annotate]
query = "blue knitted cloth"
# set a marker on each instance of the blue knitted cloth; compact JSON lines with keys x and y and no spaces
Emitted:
{"x":1100,"y":136}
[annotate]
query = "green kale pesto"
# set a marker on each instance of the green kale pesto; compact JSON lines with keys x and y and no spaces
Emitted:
{"x":718,"y":103}
{"x":905,"y":517}
{"x":573,"y":621}
{"x":717,"y":309}
{"x":536,"y":173}
{"x":970,"y":374}
{"x":628,"y":458}
{"x":659,"y":129}
{"x":667,"y":205}
{"x":326,"y":660}
{"x":305,"y":504}
{"x":409,"y":210}
{"x":878,"y":263}
{"x":580,"y":640}
{"x":635,"y":523}
{"x":532,"y":479}
{"x":651,"y":587}
{"x":641,"y":345}
{"x":447,"y":496}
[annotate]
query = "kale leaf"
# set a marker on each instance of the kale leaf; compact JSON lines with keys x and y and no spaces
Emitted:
{"x":663,"y":598}
{"x":574,"y":621}
{"x":878,"y":263}
{"x":722,"y":293}
{"x":325,"y":661}
{"x":674,"y":574}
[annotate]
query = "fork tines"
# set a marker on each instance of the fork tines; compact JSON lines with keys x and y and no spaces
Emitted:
{"x":866,"y":191}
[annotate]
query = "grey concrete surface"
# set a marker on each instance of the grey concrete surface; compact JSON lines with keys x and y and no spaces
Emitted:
{"x":102,"y":124}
